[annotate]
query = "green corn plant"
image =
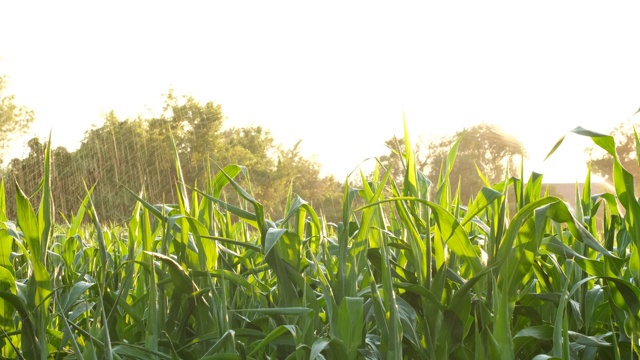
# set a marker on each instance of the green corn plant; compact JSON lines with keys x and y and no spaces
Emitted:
{"x":36,"y":231}
{"x":622,"y":291}
{"x":410,"y":272}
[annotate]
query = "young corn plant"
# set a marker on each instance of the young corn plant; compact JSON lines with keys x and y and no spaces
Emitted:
{"x":410,"y":272}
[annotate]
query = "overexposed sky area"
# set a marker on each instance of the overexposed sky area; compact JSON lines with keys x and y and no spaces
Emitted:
{"x":337,"y":75}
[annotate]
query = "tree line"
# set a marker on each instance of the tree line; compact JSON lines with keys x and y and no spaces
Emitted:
{"x":138,"y":154}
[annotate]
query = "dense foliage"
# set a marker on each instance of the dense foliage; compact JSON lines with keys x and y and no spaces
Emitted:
{"x":137,"y":153}
{"x":404,"y":276}
{"x":483,"y":147}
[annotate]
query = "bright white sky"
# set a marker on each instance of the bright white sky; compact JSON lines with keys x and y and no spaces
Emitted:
{"x":336,"y":75}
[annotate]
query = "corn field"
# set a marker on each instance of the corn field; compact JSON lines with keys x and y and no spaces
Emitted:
{"x":409,"y":273}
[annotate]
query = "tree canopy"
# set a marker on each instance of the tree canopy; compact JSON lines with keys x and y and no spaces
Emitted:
{"x":602,"y":163}
{"x":483,"y":145}
{"x":14,"y":119}
{"x":394,"y":160}
{"x":137,"y":154}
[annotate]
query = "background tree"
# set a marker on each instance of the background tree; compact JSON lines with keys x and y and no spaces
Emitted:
{"x":394,"y":159}
{"x":483,"y":145}
{"x":323,"y":192}
{"x":14,"y":119}
{"x":137,"y":154}
{"x":602,"y":163}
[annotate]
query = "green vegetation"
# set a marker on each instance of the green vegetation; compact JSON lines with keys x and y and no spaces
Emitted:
{"x":602,"y":163}
{"x":137,"y":153}
{"x":402,"y":275}
{"x":14,"y":119}
{"x":483,"y":146}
